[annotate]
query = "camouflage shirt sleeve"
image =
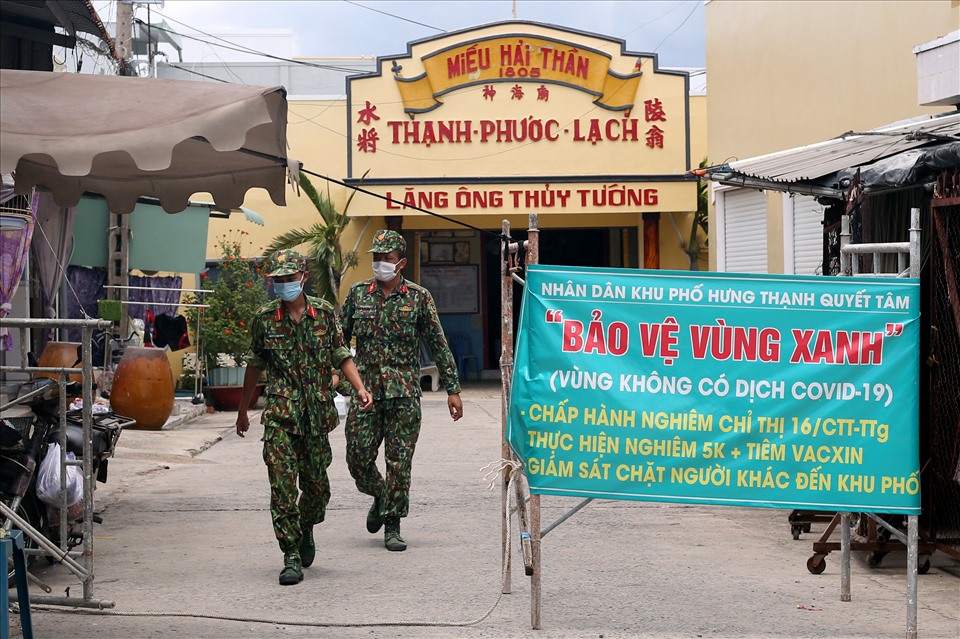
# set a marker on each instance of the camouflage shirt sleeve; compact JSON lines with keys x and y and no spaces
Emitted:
{"x":256,"y":357}
{"x":341,"y":352}
{"x":346,"y":316}
{"x":431,"y":331}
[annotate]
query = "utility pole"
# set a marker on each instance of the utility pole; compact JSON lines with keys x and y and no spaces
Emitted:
{"x":153,"y":69}
{"x":118,"y":236}
{"x":125,"y":33}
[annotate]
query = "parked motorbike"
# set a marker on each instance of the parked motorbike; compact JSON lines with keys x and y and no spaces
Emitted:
{"x":27,"y":431}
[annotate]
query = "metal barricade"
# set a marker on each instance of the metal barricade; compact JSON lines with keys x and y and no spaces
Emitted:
{"x":80,"y":563}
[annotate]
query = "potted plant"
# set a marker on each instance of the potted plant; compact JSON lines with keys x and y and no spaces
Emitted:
{"x":224,"y":327}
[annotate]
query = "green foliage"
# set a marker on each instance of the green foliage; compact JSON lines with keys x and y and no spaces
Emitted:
{"x":240,"y":289}
{"x":700,"y":220}
{"x":326,"y":260}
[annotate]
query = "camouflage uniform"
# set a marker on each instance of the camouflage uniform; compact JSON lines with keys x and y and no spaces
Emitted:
{"x":299,"y":411}
{"x":388,"y":333}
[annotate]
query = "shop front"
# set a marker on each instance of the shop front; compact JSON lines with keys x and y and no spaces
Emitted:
{"x":509,"y":119}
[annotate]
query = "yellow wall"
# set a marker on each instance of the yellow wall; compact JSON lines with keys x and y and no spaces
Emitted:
{"x":398,"y":154}
{"x":789,"y":73}
{"x":317,"y":133}
{"x":672,"y":255}
{"x":784,"y":74}
{"x":698,"y":129}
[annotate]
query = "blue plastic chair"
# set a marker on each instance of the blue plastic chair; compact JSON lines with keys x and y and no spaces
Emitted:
{"x":11,"y":545}
{"x":462,"y":351}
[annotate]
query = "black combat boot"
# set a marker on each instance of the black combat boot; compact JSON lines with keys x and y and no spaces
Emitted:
{"x":391,"y":535}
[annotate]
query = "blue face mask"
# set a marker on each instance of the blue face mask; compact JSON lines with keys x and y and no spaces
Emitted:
{"x":288,"y":291}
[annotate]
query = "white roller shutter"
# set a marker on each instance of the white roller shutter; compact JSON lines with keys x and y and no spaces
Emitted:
{"x":745,"y":231}
{"x":807,"y":236}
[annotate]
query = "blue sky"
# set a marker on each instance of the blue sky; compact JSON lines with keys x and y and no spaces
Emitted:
{"x":672,"y":28}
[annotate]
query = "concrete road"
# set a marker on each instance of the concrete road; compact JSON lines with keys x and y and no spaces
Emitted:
{"x":187,"y":532}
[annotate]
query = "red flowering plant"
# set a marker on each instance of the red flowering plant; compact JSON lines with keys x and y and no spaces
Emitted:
{"x":238,"y":290}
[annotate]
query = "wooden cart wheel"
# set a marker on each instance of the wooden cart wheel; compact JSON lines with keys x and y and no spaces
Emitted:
{"x":923,"y":565}
{"x":874,"y":559}
{"x":806,"y":528}
{"x":817,"y":563}
{"x":795,"y":531}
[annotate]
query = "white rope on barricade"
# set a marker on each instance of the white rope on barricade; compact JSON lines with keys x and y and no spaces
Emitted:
{"x":491,"y":472}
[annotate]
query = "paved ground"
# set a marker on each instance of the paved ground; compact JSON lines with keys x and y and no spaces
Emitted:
{"x":187,"y":531}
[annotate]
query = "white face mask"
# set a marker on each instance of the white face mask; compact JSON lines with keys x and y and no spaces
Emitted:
{"x":384,"y":271}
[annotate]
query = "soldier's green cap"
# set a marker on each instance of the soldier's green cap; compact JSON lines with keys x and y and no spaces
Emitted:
{"x":386,"y":241}
{"x":285,"y":262}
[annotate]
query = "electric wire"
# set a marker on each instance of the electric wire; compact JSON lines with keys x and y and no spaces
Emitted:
{"x":240,"y":48}
{"x":63,"y":271}
{"x":244,"y":49}
{"x":500,"y":466}
{"x":360,"y":189}
{"x":667,"y":37}
{"x":662,"y":15}
{"x":357,"y":4}
{"x":353,"y":140}
{"x":202,"y":75}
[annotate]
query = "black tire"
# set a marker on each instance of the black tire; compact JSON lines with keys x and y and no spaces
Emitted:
{"x":874,"y":559}
{"x":817,"y":564}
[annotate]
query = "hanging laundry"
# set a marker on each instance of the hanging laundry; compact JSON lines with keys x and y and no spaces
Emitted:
{"x":148,"y":329}
{"x":170,"y":331}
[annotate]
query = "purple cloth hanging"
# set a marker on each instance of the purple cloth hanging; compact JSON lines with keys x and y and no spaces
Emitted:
{"x":16,"y":231}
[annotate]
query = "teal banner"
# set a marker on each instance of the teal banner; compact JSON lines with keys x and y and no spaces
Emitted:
{"x":776,"y":391}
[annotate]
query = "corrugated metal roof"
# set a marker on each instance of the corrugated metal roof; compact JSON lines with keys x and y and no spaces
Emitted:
{"x":848,"y":150}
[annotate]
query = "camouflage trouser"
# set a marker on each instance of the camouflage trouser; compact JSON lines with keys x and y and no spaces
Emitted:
{"x":289,"y":457}
{"x":396,"y":422}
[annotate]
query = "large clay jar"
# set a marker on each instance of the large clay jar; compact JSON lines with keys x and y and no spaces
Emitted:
{"x":60,"y":355}
{"x":143,"y":387}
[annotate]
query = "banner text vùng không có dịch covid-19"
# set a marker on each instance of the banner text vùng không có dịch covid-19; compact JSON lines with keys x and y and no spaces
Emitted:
{"x":744,"y":390}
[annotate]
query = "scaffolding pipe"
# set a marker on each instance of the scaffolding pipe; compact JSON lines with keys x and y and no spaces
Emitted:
{"x":84,"y":568}
{"x":915,"y":242}
{"x":913,"y":535}
{"x":877,"y":248}
{"x":506,"y":371}
{"x":845,"y":259}
{"x":567,"y":515}
{"x":850,"y":266}
{"x":844,"y":556}
{"x":533,"y":257}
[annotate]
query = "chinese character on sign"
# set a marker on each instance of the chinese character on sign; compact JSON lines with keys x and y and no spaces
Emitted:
{"x":368,"y":114}
{"x":653,"y":110}
{"x":655,"y":137}
{"x":489,"y":92}
{"x":543,"y":93}
{"x":516,"y":93}
{"x":367,"y":141}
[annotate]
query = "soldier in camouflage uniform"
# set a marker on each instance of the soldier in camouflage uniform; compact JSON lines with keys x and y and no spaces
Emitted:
{"x":297,"y":340}
{"x":389,"y":317}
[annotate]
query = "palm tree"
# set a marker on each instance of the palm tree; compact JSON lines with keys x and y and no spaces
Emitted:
{"x":699,"y":221}
{"x":326,"y":260}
